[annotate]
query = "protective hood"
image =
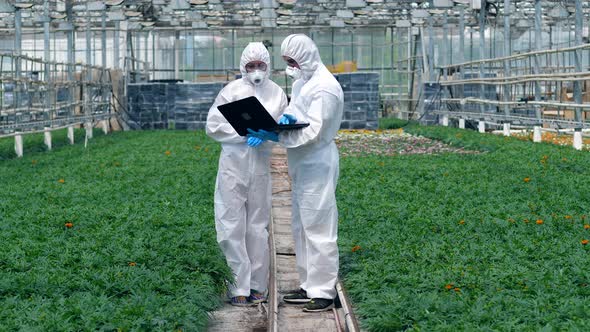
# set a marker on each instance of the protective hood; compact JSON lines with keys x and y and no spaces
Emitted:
{"x":302,"y":49}
{"x":255,"y":52}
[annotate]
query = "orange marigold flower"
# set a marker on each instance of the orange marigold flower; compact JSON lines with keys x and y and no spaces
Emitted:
{"x":586,"y":226}
{"x":584,"y":242}
{"x":61,"y":181}
{"x":457,"y":289}
{"x":132,"y":263}
{"x":527,"y":179}
{"x":167,"y":152}
{"x":69,"y":224}
{"x":356,"y":248}
{"x":539,"y":222}
{"x":449,"y":286}
{"x":568,"y":217}
{"x":461,"y":222}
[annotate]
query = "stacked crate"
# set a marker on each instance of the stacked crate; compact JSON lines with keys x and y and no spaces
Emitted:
{"x":170,"y":105}
{"x":361,"y":100}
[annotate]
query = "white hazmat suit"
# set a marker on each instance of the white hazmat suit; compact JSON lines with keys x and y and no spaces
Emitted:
{"x":317,"y":98}
{"x":243,"y":188}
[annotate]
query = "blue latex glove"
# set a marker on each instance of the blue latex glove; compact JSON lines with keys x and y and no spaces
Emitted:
{"x":264,"y":135}
{"x":287,"y":119}
{"x":254,"y":141}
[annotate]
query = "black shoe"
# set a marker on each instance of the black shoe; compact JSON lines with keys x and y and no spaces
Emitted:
{"x":317,"y":305}
{"x":299,"y":296}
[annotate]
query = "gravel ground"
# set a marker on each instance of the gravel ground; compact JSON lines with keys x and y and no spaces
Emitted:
{"x":389,"y":143}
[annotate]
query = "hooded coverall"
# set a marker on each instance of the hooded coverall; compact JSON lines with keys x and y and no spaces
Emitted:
{"x":243,"y":187}
{"x":317,"y":98}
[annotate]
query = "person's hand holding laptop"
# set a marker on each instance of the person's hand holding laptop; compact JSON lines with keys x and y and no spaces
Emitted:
{"x":249,"y":118}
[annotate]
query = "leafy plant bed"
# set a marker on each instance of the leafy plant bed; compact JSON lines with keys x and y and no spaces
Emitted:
{"x":489,"y":241}
{"x":119,"y":235}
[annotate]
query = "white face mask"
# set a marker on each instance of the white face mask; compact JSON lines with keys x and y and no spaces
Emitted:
{"x":293,"y":72}
{"x":256,"y":77}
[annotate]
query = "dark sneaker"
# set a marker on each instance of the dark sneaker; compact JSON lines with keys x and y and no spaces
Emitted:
{"x":317,"y":305}
{"x":240,"y":301}
{"x":299,"y":296}
{"x":256,"y":296}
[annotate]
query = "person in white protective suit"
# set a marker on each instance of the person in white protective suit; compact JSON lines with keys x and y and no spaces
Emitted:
{"x":243,"y":188}
{"x":317,"y":98}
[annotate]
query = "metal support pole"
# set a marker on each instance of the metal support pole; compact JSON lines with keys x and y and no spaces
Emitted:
{"x":400,"y":75}
{"x":71,"y":134}
{"x":482,"y":50}
{"x":103,"y":39}
{"x":18,"y":40}
{"x":537,"y":137}
{"x":578,"y":58}
{"x":87,"y":86}
{"x":578,"y":141}
{"x":137,"y":45}
{"x":507,"y":52}
{"x":190,"y":45}
{"x":146,"y":50}
{"x":116,"y":56}
{"x":47,"y":137}
{"x":431,"y":74}
{"x":538,"y":46}
{"x":461,"y":57}
{"x":177,"y":55}
{"x":445,"y":49}
{"x":410,"y":69}
{"x":18,"y":145}
{"x":71,"y":55}
{"x":46,"y":55}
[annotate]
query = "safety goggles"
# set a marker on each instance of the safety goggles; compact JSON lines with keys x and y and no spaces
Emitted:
{"x":252,"y":66}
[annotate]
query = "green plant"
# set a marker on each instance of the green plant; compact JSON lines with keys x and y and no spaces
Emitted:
{"x":119,"y":235}
{"x":451,"y":241}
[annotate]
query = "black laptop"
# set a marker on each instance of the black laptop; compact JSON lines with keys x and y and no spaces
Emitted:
{"x":249,"y":113}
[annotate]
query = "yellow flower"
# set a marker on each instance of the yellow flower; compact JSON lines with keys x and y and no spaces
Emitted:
{"x":527,"y":179}
{"x":461,"y":222}
{"x":568,"y":217}
{"x":61,"y":181}
{"x":586,"y":226}
{"x":167,"y":152}
{"x":132,"y":263}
